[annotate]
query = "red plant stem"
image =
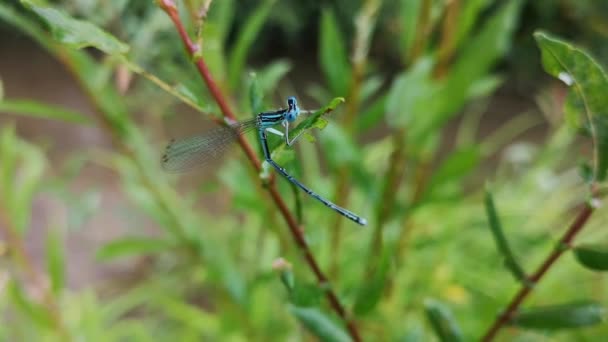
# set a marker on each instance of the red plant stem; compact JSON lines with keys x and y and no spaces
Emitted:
{"x":525,"y":290}
{"x":169,"y":7}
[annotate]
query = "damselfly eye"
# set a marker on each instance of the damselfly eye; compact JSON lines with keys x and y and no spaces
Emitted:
{"x":291,"y":101}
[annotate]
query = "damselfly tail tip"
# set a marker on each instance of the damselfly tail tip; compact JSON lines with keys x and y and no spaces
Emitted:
{"x":362,"y":221}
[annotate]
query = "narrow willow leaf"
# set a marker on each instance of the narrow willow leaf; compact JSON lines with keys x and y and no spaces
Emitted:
{"x":410,"y":12}
{"x":233,"y":174}
{"x":468,"y":16}
{"x":78,"y":33}
{"x":319,"y":324}
{"x":372,"y":289}
{"x":480,"y":52}
{"x":371,"y":86}
{"x":305,"y":295}
{"x":55,"y":260}
{"x":564,"y":316}
{"x":411,"y":94}
{"x":180,"y":91}
{"x":214,"y":50}
{"x":256,"y":96}
{"x":442,"y":321}
{"x":34,"y":311}
{"x":339,"y":146}
{"x":246,"y":38}
{"x":332,"y":55}
{"x":593,"y":256}
{"x":188,"y":315}
{"x":500,"y":239}
{"x":42,"y":110}
{"x":22,"y":172}
{"x":373,"y":114}
{"x":283,"y":155}
{"x":456,"y":166}
{"x":269,"y":76}
{"x":589,"y":84}
{"x":132,"y":246}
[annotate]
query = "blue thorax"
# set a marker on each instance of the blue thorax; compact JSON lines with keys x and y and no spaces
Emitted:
{"x":292,"y":109}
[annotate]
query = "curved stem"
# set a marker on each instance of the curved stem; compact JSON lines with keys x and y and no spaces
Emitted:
{"x":525,"y":290}
{"x":170,"y":8}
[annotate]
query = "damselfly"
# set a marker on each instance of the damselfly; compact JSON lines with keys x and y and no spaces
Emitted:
{"x":188,"y":153}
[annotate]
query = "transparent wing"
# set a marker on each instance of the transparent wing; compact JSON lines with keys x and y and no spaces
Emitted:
{"x":189,"y":153}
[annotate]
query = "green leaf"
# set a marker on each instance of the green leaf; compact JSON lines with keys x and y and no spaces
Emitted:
{"x":132,"y":246}
{"x":78,"y":33}
{"x":589,"y":88}
{"x":594,"y":256}
{"x":246,"y":38}
{"x":410,"y":12}
{"x":256,"y":96}
{"x":42,"y":110}
{"x":319,"y":324}
{"x":500,"y":239}
{"x":55,"y":260}
{"x":339,"y":146}
{"x":586,"y":172}
{"x":213,"y":48}
{"x":373,"y":114}
{"x":21,"y":169}
{"x":34,"y":311}
{"x":468,"y":16}
{"x":221,"y":16}
{"x":564,"y":316}
{"x":477,"y":57}
{"x":305,"y":295}
{"x":410,"y":94}
{"x":333,"y":56}
{"x":370,"y":86}
{"x":234,"y":176}
{"x":442,"y":321}
{"x":372,"y":289}
{"x":485,"y":86}
{"x":8,"y":162}
{"x":269,"y":76}
{"x":455,"y":167}
{"x":188,"y":315}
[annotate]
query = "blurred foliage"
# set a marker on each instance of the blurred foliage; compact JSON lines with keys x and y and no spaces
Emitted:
{"x":407,"y":69}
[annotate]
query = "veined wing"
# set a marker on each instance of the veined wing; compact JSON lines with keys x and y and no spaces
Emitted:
{"x":189,"y":153}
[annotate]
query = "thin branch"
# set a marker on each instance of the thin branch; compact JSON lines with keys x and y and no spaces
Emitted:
{"x":170,"y":8}
{"x":424,"y":28}
{"x":447,"y":46}
{"x":364,"y":27}
{"x":563,"y":245}
{"x":18,"y":252}
{"x":396,"y":168}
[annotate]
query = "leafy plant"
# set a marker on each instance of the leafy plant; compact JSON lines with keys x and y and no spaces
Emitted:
{"x":286,"y":267}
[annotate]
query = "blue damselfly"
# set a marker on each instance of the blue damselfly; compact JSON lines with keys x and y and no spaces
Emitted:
{"x":188,"y":153}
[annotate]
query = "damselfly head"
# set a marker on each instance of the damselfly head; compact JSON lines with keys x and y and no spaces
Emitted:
{"x":292,"y":103}
{"x":292,"y":111}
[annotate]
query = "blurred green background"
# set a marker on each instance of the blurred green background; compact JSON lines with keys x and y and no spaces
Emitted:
{"x":441,"y":98}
